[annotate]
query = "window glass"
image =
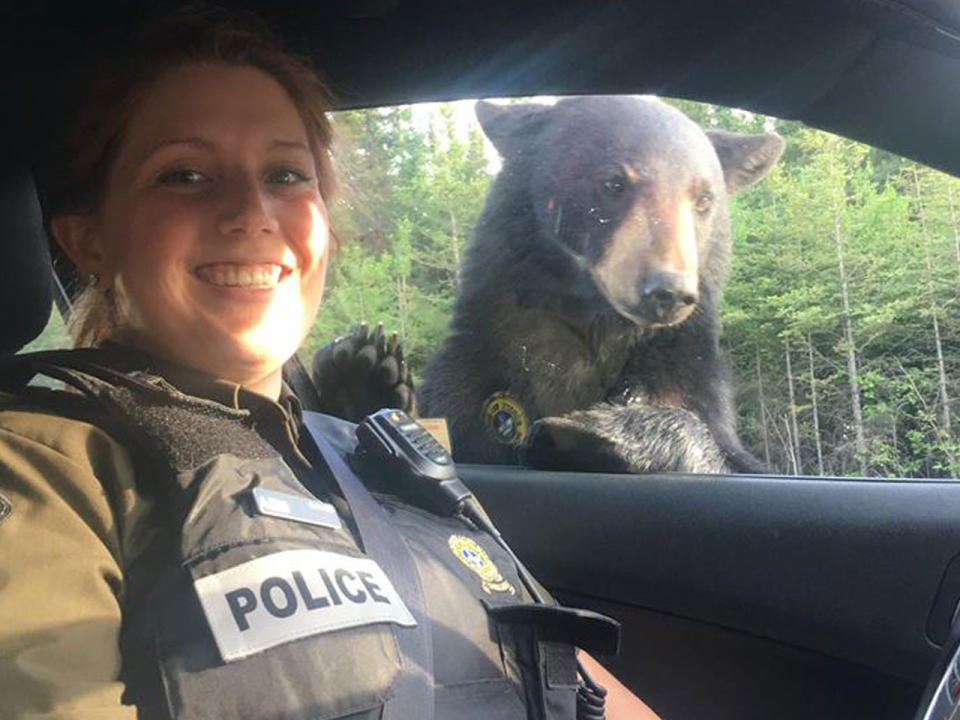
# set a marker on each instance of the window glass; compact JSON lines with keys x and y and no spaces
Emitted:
{"x":54,"y":335}
{"x":839,"y":317}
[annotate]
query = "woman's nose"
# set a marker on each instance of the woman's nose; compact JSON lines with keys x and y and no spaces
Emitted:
{"x":247,"y":209}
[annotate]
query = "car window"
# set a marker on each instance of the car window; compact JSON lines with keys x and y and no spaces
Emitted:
{"x":54,"y":335}
{"x":839,"y":317}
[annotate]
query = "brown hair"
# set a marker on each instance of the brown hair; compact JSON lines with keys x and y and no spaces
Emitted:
{"x":75,"y":176}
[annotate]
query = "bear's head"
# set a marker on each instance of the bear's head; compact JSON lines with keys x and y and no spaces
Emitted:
{"x":632,"y":191}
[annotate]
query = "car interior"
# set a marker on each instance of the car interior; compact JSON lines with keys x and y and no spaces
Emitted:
{"x":740,"y":596}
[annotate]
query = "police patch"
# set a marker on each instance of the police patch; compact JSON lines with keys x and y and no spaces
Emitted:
{"x":505,"y":419}
{"x":470,"y":553}
{"x":293,"y":594}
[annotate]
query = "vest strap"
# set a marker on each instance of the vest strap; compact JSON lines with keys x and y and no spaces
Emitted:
{"x":413,"y":690}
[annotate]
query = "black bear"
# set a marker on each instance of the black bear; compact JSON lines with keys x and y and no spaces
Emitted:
{"x":585,"y":329}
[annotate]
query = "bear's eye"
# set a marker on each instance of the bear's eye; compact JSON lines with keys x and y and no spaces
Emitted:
{"x":615,"y":185}
{"x":703,"y":202}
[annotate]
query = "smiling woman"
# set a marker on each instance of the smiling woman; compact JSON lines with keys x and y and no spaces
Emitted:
{"x":202,"y":547}
{"x":191,"y":148}
{"x":211,"y":238}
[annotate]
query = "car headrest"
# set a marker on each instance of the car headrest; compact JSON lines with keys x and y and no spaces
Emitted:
{"x":26,"y":276}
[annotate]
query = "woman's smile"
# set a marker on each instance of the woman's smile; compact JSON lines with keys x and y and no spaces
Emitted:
{"x":264,"y":276}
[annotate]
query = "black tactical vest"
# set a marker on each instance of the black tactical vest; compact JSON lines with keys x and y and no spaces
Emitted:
{"x":248,"y":607}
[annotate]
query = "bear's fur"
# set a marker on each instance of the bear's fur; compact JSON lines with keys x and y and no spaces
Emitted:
{"x":590,"y":291}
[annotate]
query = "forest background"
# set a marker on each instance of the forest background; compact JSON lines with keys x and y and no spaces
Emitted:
{"x":840,"y":318}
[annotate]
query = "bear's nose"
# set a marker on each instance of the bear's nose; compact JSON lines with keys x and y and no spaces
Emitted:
{"x":666,"y":295}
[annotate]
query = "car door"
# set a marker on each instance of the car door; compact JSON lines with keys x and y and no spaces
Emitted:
{"x":748,"y":596}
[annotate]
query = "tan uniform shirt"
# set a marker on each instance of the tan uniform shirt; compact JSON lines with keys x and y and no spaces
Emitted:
{"x":74,"y":518}
{"x":75,"y":521}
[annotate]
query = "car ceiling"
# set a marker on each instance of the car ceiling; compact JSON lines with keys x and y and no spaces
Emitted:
{"x":886,"y":72}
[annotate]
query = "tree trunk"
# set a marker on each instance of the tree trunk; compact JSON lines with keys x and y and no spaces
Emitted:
{"x":798,"y":467}
{"x":816,"y":408}
{"x":763,"y":413}
{"x":860,"y":443}
{"x":403,"y":304}
{"x":790,"y":448}
{"x":955,"y":225}
{"x":934,"y":312}
{"x":944,"y":397}
{"x":455,"y":246}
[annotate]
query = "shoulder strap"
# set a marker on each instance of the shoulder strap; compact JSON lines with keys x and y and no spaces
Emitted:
{"x":413,"y":697}
{"x":89,"y":370}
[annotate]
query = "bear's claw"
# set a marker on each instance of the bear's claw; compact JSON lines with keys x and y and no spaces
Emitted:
{"x":361,"y":373}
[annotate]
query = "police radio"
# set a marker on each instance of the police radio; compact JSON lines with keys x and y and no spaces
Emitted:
{"x":415,"y":465}
{"x":421,"y":469}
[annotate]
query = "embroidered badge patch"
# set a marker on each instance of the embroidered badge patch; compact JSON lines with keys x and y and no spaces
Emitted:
{"x":475,"y":557}
{"x":505,"y":419}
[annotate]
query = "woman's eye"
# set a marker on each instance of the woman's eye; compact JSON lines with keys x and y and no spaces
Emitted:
{"x":703,"y":202}
{"x":287,"y":176}
{"x":183,"y":176}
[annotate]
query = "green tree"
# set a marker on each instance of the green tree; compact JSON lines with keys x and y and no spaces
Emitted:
{"x":411,"y":194}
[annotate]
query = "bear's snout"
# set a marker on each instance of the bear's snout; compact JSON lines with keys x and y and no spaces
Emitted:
{"x":668,"y":298}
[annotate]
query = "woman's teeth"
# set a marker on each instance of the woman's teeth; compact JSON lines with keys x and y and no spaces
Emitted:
{"x":245,"y":276}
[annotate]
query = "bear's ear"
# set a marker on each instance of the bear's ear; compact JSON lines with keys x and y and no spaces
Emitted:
{"x":745,"y":158}
{"x":510,"y":127}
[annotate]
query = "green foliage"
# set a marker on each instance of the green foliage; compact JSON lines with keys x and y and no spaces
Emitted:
{"x":786,"y":284}
{"x":412,"y":189}
{"x":53,"y":337}
{"x":414,"y":183}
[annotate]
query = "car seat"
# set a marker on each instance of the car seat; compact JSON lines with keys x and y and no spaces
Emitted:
{"x":26,"y":272}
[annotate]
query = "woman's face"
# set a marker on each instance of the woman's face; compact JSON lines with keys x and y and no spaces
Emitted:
{"x":213,"y":232}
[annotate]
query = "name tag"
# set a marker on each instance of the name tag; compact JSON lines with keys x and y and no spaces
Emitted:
{"x":293,"y":594}
{"x":295,"y":507}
